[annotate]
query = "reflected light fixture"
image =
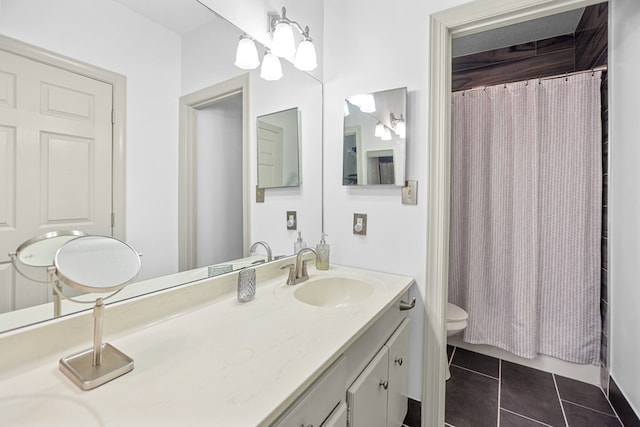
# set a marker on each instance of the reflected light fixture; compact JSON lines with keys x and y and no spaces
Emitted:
{"x":399,"y":126}
{"x":379,"y":132}
{"x":246,"y":53}
{"x":346,"y":108}
{"x":284,"y":45}
{"x":386,"y":134}
{"x":271,"y":68}
{"x":365,"y":102}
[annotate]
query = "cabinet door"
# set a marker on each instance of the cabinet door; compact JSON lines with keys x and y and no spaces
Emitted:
{"x":367,"y":397}
{"x":338,"y":418}
{"x":398,"y":346}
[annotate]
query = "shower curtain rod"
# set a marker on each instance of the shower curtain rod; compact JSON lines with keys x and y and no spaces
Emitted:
{"x":539,"y":79}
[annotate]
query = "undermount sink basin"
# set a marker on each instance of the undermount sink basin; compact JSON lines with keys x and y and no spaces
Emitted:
{"x":333,"y":291}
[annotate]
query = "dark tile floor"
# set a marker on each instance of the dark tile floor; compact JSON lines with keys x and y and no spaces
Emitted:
{"x":485,"y":391}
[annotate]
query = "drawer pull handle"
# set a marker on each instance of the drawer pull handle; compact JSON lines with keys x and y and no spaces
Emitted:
{"x":302,"y":425}
{"x":399,"y":361}
{"x":407,"y":306}
{"x":384,"y":384}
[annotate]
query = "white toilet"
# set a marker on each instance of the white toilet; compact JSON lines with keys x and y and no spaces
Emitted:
{"x":456,"y":323}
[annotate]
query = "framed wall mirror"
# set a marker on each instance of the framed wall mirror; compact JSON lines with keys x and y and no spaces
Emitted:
{"x":374,"y":147}
{"x":279,"y":149}
{"x":193,"y":57}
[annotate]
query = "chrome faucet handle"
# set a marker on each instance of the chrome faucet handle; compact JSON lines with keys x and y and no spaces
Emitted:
{"x":291,"y":280}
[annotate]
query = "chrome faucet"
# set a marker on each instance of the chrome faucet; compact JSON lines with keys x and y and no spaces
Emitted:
{"x":298,"y":272}
{"x":264,"y":245}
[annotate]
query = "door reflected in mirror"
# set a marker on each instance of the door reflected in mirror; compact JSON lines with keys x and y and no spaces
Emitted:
{"x":375,"y":138}
{"x":278,"y":149}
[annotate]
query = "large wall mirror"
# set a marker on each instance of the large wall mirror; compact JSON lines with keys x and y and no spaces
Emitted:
{"x":375,"y":138}
{"x":278,"y":149}
{"x":165,"y":50}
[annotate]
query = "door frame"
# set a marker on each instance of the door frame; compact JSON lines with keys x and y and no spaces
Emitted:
{"x":118,"y":117}
{"x":187,"y":164}
{"x":466,"y":19}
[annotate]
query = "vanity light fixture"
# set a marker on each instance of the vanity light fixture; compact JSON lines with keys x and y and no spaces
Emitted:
{"x":281,"y":28}
{"x":386,"y":135}
{"x":271,"y":68}
{"x":399,"y":126}
{"x":365,"y":102}
{"x":246,"y":53}
{"x":379,"y":132}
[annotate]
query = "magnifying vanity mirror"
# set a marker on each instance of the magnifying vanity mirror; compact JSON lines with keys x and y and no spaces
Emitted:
{"x":95,"y":264}
{"x":278,"y":149}
{"x":374,"y":149}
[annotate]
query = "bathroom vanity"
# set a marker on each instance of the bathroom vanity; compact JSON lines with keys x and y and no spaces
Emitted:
{"x":295,"y":355}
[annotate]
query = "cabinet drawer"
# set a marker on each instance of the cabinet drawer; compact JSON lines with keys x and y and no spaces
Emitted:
{"x":319,"y":401}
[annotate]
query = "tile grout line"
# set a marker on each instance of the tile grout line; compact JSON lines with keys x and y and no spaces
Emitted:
{"x":499,"y":387}
{"x":591,"y":409}
{"x":453,"y":352}
{"x":528,"y":418}
{"x":555,"y":383}
{"x":475,"y":372}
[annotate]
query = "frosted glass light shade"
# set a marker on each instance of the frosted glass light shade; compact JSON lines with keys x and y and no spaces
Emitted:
{"x":368,"y":104}
{"x":386,"y":135}
{"x":247,"y":54}
{"x":401,"y":129}
{"x":379,"y":130}
{"x":271,"y":68}
{"x":283,"y":43}
{"x":306,"y":56}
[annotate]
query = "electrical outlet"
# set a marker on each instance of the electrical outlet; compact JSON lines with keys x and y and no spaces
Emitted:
{"x":292,"y":220}
{"x":410,"y":193}
{"x":360,"y":224}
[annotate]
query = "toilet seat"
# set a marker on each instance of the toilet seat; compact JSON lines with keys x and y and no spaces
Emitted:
{"x":455,"y":313}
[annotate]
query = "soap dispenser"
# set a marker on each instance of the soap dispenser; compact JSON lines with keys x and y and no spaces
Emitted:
{"x":322,"y":248}
{"x":299,"y":244}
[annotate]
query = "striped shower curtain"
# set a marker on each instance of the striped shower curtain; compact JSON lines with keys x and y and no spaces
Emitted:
{"x":526,"y":206}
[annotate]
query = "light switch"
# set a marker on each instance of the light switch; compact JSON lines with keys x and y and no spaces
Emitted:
{"x":410,"y":193}
{"x":259,"y":195}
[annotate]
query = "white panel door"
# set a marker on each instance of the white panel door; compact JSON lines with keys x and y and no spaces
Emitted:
{"x":270,"y":142}
{"x":367,"y":396}
{"x":55,"y":160}
{"x":398,"y":346}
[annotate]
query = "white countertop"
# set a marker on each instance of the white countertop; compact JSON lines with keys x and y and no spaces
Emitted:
{"x":223,"y":364}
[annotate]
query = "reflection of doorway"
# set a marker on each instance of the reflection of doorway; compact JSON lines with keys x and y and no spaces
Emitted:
{"x":465,"y":19}
{"x":61,"y":145}
{"x":380,"y":167}
{"x":208,"y":103}
{"x":351,"y":164}
{"x":219,"y":182}
{"x":270,"y":141}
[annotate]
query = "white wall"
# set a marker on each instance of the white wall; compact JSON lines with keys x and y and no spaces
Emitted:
{"x":206,"y":61}
{"x":624,"y":210}
{"x":219,"y":185}
{"x":371,"y":45}
{"x":106,"y":34}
